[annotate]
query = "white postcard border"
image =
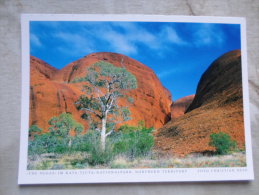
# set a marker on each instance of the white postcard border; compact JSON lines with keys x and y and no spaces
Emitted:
{"x":128,"y":175}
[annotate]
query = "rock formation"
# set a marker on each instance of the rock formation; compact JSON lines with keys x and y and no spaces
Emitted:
{"x":49,"y":98}
{"x":217,"y":107}
{"x":52,"y":91}
{"x":224,"y":75}
{"x":179,"y":107}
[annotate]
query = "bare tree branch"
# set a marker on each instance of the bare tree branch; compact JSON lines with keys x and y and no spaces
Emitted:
{"x":111,"y":103}
{"x":99,"y":98}
{"x":109,"y":133}
{"x":92,"y":111}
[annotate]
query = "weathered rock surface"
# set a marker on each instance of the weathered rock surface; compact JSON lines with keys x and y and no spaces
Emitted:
{"x":217,"y":107}
{"x":179,"y":107}
{"x":49,"y":98}
{"x":52,"y":91}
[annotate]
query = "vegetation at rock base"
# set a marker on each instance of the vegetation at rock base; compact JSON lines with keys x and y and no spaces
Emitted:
{"x":134,"y":141}
{"x":222,"y":142}
{"x":128,"y":147}
{"x":58,"y":139}
{"x":34,"y":129}
{"x":129,"y":141}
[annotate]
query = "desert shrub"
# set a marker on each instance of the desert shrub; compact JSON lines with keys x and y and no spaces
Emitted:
{"x":86,"y":142}
{"x":99,"y":157}
{"x":58,"y":139}
{"x":34,"y":129}
{"x":90,"y":143}
{"x":47,"y":143}
{"x":222,"y":142}
{"x":128,"y":141}
{"x":173,"y":131}
{"x":133,"y":141}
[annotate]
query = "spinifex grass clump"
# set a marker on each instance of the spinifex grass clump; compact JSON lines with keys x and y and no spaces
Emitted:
{"x":222,"y":142}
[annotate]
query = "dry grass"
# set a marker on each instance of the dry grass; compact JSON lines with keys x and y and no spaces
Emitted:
{"x":57,"y":161}
{"x":79,"y":161}
{"x":191,"y":161}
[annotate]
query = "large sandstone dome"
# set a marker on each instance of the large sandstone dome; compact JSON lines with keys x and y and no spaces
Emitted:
{"x":217,"y":107}
{"x":52,"y":91}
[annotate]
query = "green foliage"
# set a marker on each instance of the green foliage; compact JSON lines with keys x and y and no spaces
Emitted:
{"x":64,"y":124}
{"x":98,"y":156}
{"x":48,"y":143}
{"x":106,"y":84}
{"x":134,"y":141}
{"x":34,"y":129}
{"x":86,"y":142}
{"x":58,"y":139}
{"x":88,"y":102}
{"x":102,"y":72}
{"x":129,"y":141}
{"x":126,"y":129}
{"x":222,"y":142}
{"x":90,"y":143}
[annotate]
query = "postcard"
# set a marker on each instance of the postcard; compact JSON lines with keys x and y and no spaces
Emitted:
{"x":134,"y":98}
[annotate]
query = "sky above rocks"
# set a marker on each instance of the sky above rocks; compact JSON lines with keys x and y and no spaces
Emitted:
{"x":178,"y":53}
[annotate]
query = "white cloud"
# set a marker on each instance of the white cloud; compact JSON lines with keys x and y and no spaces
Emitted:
{"x":140,"y":35}
{"x":134,"y":34}
{"x":170,"y":35}
{"x":120,"y":37}
{"x":129,"y":36}
{"x":208,"y":35}
{"x":71,"y":37}
{"x":35,"y":41}
{"x":119,"y":43}
{"x":75,"y":44}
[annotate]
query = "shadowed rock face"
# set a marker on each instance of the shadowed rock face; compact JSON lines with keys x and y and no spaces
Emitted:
{"x":224,"y":74}
{"x":179,"y":107}
{"x":217,"y":107}
{"x":53,"y":93}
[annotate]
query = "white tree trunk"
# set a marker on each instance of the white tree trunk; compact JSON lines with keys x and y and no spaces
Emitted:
{"x":103,"y":134}
{"x":70,"y":143}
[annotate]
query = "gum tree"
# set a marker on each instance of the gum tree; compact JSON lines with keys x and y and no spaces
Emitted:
{"x":105,"y":86}
{"x":62,"y":125}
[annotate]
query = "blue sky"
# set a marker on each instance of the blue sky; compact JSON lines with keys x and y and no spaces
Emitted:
{"x":179,"y":53}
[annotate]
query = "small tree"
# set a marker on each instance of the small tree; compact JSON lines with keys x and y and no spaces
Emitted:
{"x":63,"y":125}
{"x":106,"y":84}
{"x":222,"y":142}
